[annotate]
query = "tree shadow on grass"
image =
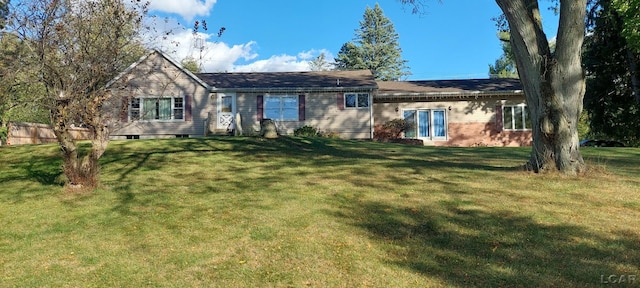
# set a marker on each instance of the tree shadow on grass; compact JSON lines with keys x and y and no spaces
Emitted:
{"x":475,"y":248}
{"x":313,"y":149}
{"x":21,"y":175}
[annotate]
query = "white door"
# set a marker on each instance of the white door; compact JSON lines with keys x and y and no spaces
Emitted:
{"x":226,"y":110}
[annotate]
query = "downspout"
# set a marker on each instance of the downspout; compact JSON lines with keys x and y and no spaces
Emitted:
{"x":371,"y":124}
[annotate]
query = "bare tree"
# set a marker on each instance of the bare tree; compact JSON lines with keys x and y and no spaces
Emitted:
{"x":77,"y":47}
{"x":320,"y":63}
{"x":553,"y":81}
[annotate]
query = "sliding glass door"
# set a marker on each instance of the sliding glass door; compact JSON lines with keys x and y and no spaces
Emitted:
{"x":426,"y":124}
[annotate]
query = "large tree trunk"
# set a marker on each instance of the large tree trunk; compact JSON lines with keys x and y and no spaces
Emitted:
{"x":81,"y":169}
{"x":554,"y":83}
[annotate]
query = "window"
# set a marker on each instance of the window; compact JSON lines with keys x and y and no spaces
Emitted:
{"x":356,"y":100}
{"x":281,"y":108}
{"x":135,"y":108}
{"x":226,"y":104}
{"x":516,"y":117}
{"x":152,"y":108}
{"x":426,"y":124}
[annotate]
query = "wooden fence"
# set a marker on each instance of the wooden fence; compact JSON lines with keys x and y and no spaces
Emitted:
{"x":20,"y":133}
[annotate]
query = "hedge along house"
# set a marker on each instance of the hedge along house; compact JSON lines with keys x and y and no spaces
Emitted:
{"x":161,"y":99}
{"x":478,"y":112}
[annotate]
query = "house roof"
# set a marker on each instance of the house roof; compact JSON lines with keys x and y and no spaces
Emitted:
{"x":467,"y":85}
{"x":291,"y":81}
{"x":452,"y":89}
{"x":165,"y":56}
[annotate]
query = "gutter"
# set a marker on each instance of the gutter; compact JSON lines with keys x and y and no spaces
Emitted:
{"x":430,"y":96}
{"x":296,"y":89}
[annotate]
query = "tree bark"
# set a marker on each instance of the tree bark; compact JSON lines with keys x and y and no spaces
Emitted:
{"x":633,"y":69}
{"x":554,"y":83}
{"x":82,"y":171}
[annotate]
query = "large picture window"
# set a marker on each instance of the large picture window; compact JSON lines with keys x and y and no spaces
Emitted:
{"x":515,"y":117}
{"x":157,"y":108}
{"x":281,"y":108}
{"x":426,"y":124}
{"x":356,"y":100}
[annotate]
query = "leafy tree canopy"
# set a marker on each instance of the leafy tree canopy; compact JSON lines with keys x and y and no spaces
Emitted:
{"x":70,"y":50}
{"x":191,"y":64}
{"x":4,"y":11}
{"x":611,"y":62}
{"x":505,"y":66}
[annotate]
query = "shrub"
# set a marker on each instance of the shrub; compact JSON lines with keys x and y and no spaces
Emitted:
{"x":306,"y":131}
{"x":391,"y":130}
{"x":3,"y":135}
{"x":329,"y":134}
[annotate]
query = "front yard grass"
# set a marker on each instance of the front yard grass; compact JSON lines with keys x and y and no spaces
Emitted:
{"x":311,"y":212}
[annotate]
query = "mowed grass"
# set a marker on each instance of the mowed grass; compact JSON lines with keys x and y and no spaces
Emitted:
{"x":296,"y":212}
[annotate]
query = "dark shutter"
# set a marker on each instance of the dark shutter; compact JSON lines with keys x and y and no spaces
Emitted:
{"x":499,"y":118}
{"x":301,"y":108}
{"x":124,"y":111}
{"x":187,"y":108}
{"x":260,"y":107}
{"x":340,"y":101}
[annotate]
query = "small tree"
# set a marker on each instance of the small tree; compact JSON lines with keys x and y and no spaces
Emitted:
{"x":77,"y":48}
{"x":320,"y":63}
{"x":375,"y":47}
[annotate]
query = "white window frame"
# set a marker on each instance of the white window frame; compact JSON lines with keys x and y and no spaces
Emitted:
{"x":431,"y":132}
{"x":281,"y":107}
{"x":512,"y":125}
{"x":139,"y":102}
{"x":357,"y":103}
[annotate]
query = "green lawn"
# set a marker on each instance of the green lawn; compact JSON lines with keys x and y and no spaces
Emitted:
{"x":294,"y":212}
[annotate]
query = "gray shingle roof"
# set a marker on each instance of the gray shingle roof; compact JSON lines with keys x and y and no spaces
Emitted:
{"x":499,"y":85}
{"x":290,"y":80}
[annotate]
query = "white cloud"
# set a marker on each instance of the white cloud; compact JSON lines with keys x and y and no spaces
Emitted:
{"x":215,"y":56}
{"x":276,"y":63}
{"x":187,"y":9}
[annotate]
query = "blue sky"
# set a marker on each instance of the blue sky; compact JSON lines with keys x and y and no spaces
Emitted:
{"x":453,"y":39}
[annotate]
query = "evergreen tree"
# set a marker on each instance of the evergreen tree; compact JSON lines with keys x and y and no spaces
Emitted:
{"x":375,"y":47}
{"x":610,"y":62}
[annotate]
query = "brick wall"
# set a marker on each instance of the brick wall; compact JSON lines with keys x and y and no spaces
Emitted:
{"x":484,"y":134}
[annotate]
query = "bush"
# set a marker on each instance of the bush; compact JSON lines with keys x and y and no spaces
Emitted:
{"x":391,"y":130}
{"x":3,"y":135}
{"x":329,"y":135}
{"x":306,"y":131}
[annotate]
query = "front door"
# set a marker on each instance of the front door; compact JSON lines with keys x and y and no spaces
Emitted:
{"x":226,"y":110}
